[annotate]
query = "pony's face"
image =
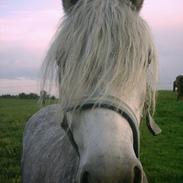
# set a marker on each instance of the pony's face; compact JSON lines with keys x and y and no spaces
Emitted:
{"x":104,"y":139}
{"x":105,"y":144}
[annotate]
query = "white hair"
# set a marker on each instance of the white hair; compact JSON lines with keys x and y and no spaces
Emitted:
{"x":101,"y":44}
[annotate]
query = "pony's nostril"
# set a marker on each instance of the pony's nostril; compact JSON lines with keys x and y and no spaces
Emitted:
{"x":85,"y":178}
{"x":137,"y":174}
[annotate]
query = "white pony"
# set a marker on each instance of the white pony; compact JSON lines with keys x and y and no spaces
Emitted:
{"x":103,"y":61}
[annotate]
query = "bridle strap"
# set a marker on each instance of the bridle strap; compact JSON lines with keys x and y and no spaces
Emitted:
{"x":69,"y":133}
{"x":111,"y":103}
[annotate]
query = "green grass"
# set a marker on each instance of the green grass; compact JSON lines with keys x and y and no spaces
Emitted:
{"x":13,"y":114}
{"x":161,"y":156}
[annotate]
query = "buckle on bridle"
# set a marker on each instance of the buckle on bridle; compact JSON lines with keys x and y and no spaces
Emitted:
{"x":152,"y":125}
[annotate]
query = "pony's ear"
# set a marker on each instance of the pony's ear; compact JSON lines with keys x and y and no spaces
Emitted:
{"x":67,"y":4}
{"x":137,"y":4}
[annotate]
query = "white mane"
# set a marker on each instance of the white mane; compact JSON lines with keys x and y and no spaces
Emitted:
{"x":101,"y":45}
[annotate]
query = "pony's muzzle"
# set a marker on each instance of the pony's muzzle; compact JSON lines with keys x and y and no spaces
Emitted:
{"x":128,"y":174}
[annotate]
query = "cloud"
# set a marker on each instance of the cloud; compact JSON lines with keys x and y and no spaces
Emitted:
{"x":161,"y":14}
{"x":31,"y":30}
{"x":22,"y":84}
{"x":166,"y":22}
{"x":169,"y":45}
{"x":25,"y":36}
{"x":16,"y":86}
{"x":18,"y":62}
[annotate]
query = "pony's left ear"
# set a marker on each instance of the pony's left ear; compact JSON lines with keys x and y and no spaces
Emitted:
{"x":137,"y":4}
{"x":67,"y":4}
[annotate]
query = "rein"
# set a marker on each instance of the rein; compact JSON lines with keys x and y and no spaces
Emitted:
{"x":116,"y":105}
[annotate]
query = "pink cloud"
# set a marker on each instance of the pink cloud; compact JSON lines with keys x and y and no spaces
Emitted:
{"x":19,"y":85}
{"x":26,"y":35}
{"x":162,"y":14}
{"x":31,"y":30}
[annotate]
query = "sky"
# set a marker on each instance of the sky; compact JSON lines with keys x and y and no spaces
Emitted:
{"x":26,"y":29}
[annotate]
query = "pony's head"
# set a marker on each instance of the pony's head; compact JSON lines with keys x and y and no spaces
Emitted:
{"x":102,"y":48}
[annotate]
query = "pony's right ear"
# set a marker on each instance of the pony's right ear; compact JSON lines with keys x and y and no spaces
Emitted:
{"x":137,"y":4}
{"x":67,"y":4}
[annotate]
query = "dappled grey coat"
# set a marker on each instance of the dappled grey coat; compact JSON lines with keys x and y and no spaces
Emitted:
{"x":48,"y":155}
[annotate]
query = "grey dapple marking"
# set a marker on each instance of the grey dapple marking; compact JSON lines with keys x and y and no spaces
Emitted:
{"x":51,"y":158}
{"x":103,"y":48}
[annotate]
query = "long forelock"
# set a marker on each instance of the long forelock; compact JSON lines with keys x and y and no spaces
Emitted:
{"x":101,"y":45}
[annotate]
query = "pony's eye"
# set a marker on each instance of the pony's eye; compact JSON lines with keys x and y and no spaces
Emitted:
{"x":74,"y":1}
{"x":149,"y":57}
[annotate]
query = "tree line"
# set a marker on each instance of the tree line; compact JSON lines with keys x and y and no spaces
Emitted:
{"x":29,"y":96}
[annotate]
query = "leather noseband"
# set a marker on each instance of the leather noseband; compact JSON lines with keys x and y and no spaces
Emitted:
{"x":116,"y":105}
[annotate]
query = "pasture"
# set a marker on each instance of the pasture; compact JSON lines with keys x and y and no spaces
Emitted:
{"x":162,"y":156}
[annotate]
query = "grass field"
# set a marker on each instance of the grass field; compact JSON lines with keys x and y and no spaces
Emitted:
{"x":161,"y":156}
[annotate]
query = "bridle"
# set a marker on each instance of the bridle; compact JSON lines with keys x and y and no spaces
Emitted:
{"x":116,"y":105}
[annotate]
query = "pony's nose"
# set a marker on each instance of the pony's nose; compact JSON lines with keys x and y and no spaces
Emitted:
{"x":137,"y":174}
{"x":134,"y":174}
{"x":85,"y":177}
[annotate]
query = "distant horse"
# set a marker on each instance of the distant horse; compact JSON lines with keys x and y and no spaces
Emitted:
{"x":178,"y":84}
{"x":103,"y":62}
